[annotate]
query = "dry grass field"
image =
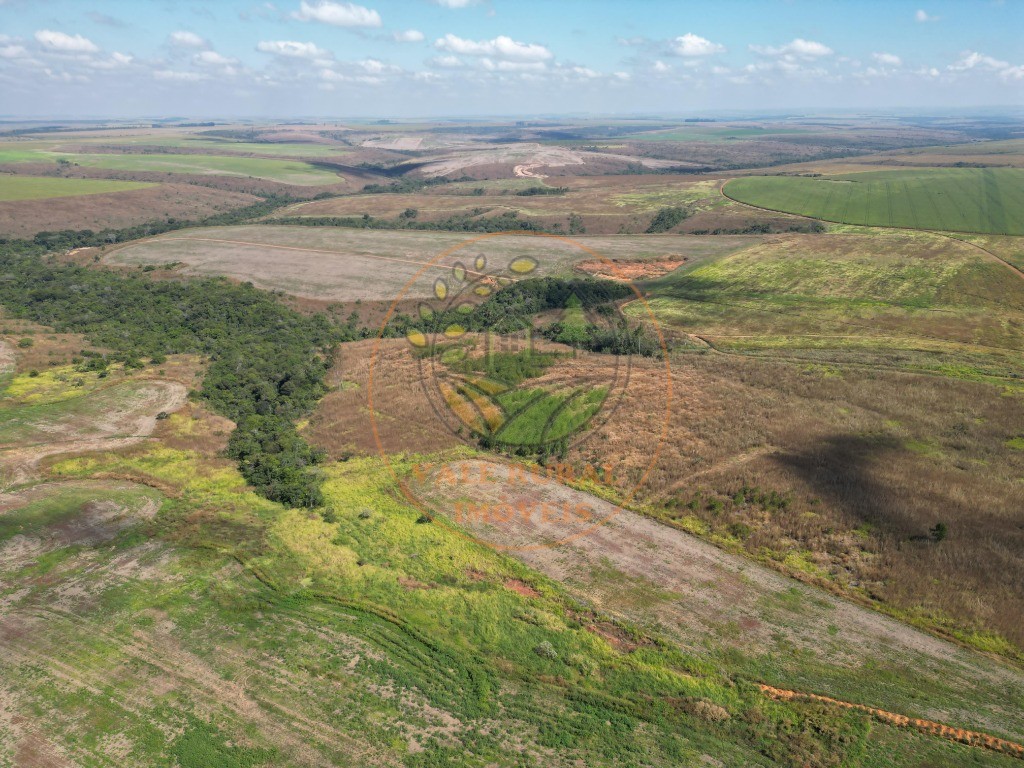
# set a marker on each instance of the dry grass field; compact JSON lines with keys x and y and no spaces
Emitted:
{"x":833,"y":473}
{"x":340,"y":264}
{"x":24,"y":218}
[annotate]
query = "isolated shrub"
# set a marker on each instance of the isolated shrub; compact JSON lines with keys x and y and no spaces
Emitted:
{"x":740,"y":530}
{"x":708,"y":711}
{"x":25,"y":343}
{"x":939,"y":532}
{"x":546,"y":651}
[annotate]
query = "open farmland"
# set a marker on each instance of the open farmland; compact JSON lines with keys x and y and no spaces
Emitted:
{"x":986,"y":200}
{"x":339,"y":264}
{"x":215,"y":146}
{"x":39,"y":188}
{"x":284,"y":171}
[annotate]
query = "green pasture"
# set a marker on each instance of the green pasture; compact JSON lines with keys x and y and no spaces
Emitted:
{"x":284,"y":171}
{"x":984,"y":200}
{"x":41,"y":188}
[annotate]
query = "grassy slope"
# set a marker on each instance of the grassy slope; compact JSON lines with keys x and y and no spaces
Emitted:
{"x":38,"y":188}
{"x":341,"y":626}
{"x":987,"y":200}
{"x":850,"y":296}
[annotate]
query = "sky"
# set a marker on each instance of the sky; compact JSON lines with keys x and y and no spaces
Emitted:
{"x":431,"y":58}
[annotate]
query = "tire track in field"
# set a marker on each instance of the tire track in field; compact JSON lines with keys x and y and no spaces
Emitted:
{"x":304,"y":735}
{"x":930,"y":727}
{"x":414,"y":262}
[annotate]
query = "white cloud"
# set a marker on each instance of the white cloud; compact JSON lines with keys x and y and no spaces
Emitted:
{"x":408,"y":36}
{"x":693,"y":45}
{"x":291,"y":49}
{"x":512,"y":66}
{"x":889,"y":59}
{"x":928,"y":72}
{"x":338,"y":14}
{"x":331,"y":76}
{"x":176,"y":76}
{"x":213,"y":58}
{"x":62,"y":43}
{"x":455,"y":4}
{"x":116,"y":61}
{"x":501,"y":47}
{"x":12,"y":52}
{"x":975,"y":60}
{"x":661,"y":67}
{"x":376,"y":67}
{"x":446,"y":62}
{"x":804,"y":49}
{"x":922,"y":16}
{"x":185,"y":39}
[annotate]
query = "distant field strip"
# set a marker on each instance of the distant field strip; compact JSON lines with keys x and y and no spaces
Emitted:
{"x":285,"y":171}
{"x":983,"y":200}
{"x":40,"y":188}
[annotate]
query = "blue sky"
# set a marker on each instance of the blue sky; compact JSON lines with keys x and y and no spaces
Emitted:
{"x":290,"y":58}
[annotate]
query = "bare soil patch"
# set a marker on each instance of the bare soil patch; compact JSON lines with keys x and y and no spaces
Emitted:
{"x":630,"y":271}
{"x":117,"y":417}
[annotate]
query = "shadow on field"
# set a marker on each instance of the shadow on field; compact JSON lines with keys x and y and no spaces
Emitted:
{"x":843,"y":470}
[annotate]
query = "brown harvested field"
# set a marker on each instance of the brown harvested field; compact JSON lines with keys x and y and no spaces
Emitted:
{"x":657,"y":576}
{"x":835,"y":476}
{"x":340,"y":264}
{"x":24,"y":218}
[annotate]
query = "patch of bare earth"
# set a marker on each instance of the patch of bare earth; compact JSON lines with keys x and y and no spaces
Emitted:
{"x":123,"y":425}
{"x":629,"y":271}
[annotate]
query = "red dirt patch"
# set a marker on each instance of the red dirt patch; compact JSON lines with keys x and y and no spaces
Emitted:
{"x":628,"y":271}
{"x":973,"y":738}
{"x":521,"y":587}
